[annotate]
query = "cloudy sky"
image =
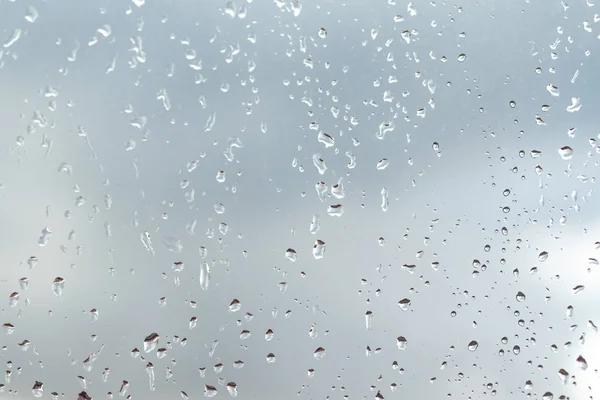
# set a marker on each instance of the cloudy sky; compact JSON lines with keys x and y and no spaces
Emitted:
{"x":221,"y":130}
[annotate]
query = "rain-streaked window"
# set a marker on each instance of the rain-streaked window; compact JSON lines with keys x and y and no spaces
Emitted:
{"x":299,"y":199}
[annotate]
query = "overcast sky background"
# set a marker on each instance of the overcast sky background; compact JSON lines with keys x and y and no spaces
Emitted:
{"x":265,"y":80}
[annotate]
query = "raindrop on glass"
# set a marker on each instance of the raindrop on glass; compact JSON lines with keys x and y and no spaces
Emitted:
{"x":473,"y":345}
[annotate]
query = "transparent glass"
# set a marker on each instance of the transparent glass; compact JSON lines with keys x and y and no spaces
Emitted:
{"x":324,"y":199}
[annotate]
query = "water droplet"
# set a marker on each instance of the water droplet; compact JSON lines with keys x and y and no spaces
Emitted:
{"x":552,"y":89}
{"x":147,"y":242}
{"x":582,"y":363}
{"x":473,"y":345}
{"x":335,"y":210}
{"x":369,"y":319}
{"x":461,"y":57}
{"x":235,"y":305}
{"x":563,"y":375}
{"x":210,"y":391}
{"x":313,"y":333}
{"x":575,"y":105}
{"x":221,"y":176}
{"x":401,"y":342}
{"x":319,"y":163}
{"x":232,"y":389}
{"x":31,"y":15}
{"x":219,"y":208}
{"x":204,"y":275}
{"x":58,"y":286}
{"x":578,"y":289}
{"x":32,"y":262}
{"x":13,"y":299}
{"x":8,"y":328}
{"x":383,"y":164}
{"x":319,"y":353}
{"x":38,"y":389}
{"x":45,"y":237}
{"x":271,"y":358}
{"x":566,"y":153}
{"x":319,"y":249}
{"x":543,"y":256}
{"x":291,"y":255}
{"x":24,"y":345}
{"x":94,"y":315}
{"x":13,"y":38}
{"x":123,"y":389}
{"x":404,"y":304}
{"x":322,"y":33}
{"x":245,"y":334}
{"x":547,"y":396}
{"x":173,"y":244}
{"x":337,"y":190}
{"x":269,"y":335}
{"x":384,"y":199}
{"x":150,"y":372}
{"x":521,"y":296}
{"x":325,"y":139}
{"x":150,"y":342}
{"x":161,"y":353}
{"x":512,"y":104}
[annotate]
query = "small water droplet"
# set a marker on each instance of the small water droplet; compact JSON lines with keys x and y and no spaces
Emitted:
{"x":245,"y":334}
{"x":326,"y":140}
{"x":204,"y":275}
{"x":210,"y":391}
{"x":552,"y":89}
{"x":404,"y":304}
{"x":38,"y":389}
{"x":383,"y":164}
{"x":335,"y":210}
{"x":219,"y":208}
{"x":291,"y":254}
{"x":269,"y":335}
{"x":575,"y":105}
{"x":58,"y":286}
{"x":232,"y":389}
{"x":369,"y":319}
{"x":313,"y":333}
{"x":13,"y":299}
{"x":319,"y":249}
{"x":150,"y":342}
{"x":235,"y":305}
{"x":319,"y":353}
{"x":473,"y":345}
{"x":401,"y":342}
{"x":582,"y":363}
{"x":578,"y":289}
{"x":547,"y":396}
{"x":563,"y":375}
